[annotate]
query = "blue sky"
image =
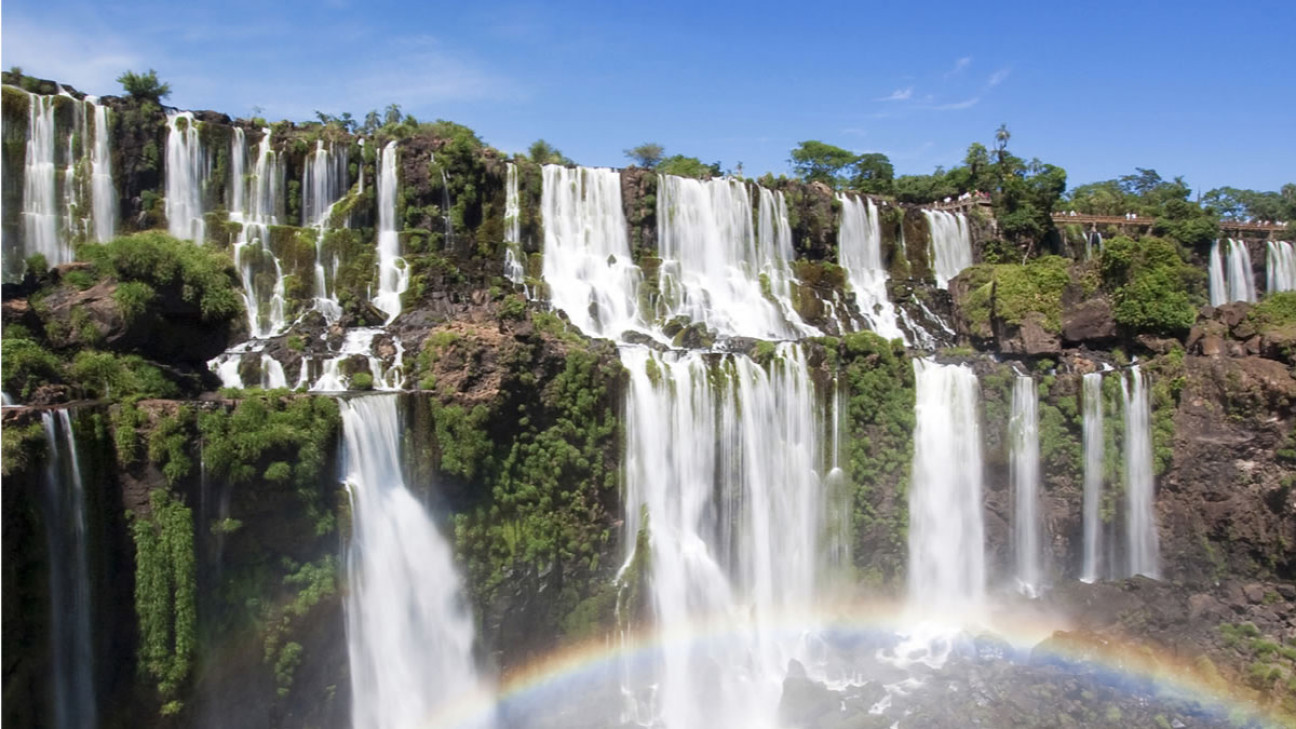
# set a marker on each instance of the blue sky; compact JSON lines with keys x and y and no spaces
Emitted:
{"x":1199,"y":89}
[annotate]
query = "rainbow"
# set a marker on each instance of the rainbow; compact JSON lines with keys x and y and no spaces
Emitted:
{"x":575,"y":666}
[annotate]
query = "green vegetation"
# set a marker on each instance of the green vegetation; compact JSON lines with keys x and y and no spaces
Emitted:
{"x":1275,"y":312}
{"x":165,"y":593}
{"x":277,"y":439}
{"x":144,"y":86}
{"x":646,"y":155}
{"x":1154,"y":288}
{"x":175,"y":270}
{"x":544,"y":153}
{"x":551,"y":480}
{"x":880,"y":421}
{"x":23,"y":445}
{"x":682,"y":166}
{"x":1010,"y":292}
{"x":27,"y":364}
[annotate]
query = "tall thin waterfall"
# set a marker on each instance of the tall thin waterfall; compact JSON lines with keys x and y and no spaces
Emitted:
{"x":1230,"y":276}
{"x":726,"y":458}
{"x":946,"y":531}
{"x":40,"y":211}
{"x":717,"y":267}
{"x":1024,"y":428}
{"x":951,"y":244}
{"x":859,"y":251}
{"x":76,"y":223}
{"x":1140,"y":486}
{"x":513,"y":255}
{"x":103,"y":195}
{"x":186,"y":175}
{"x":69,"y":578}
{"x":260,"y":269}
{"x":587,"y":263}
{"x":409,"y":633}
{"x":393,"y":276}
{"x":1280,"y":267}
{"x":324,"y":182}
{"x":1093,"y":474}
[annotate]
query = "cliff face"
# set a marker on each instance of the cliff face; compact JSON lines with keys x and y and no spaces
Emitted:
{"x":514,"y":422}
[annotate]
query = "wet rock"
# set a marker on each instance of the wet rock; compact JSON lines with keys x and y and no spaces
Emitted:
{"x":805,"y":702}
{"x":1030,"y":338}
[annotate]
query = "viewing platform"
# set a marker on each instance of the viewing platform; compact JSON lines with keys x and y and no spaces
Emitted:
{"x":1239,"y":228}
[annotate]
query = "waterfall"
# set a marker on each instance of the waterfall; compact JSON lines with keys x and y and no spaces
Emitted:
{"x":951,"y":244}
{"x":409,"y":633}
{"x":1024,"y":429}
{"x":272,"y":374}
{"x":186,"y":175}
{"x":259,"y":268}
{"x":725,"y":457}
{"x":1093,"y":242}
{"x":859,"y":251}
{"x":1280,"y":267}
{"x":324,"y":182}
{"x":587,"y":264}
{"x":360,"y":342}
{"x":1093,"y":473}
{"x":393,"y":276}
{"x":1231,"y":278}
{"x":76,"y":223}
{"x":946,"y":532}
{"x":715,"y":267}
{"x":103,"y":195}
{"x":69,"y":579}
{"x":513,"y":255}
{"x":40,"y":211}
{"x":1140,"y":486}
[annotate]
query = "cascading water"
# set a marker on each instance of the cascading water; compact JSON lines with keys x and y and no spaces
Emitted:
{"x":513,"y":256}
{"x":69,"y":578}
{"x":1230,"y":276}
{"x":409,"y":633}
{"x":1093,"y":433}
{"x":859,"y":251}
{"x":360,"y":342}
{"x":1140,"y":486}
{"x":717,"y":268}
{"x":1280,"y":267}
{"x":587,"y":263}
{"x":698,"y":431}
{"x":260,"y":269}
{"x":393,"y":276}
{"x":1024,"y":431}
{"x":76,"y":223}
{"x":40,"y":211}
{"x":103,"y":195}
{"x":1093,"y":242}
{"x":324,"y":182}
{"x":187,"y":169}
{"x":951,"y":244}
{"x":946,"y":531}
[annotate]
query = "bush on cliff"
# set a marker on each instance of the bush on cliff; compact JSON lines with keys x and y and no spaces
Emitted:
{"x":1009,"y":292}
{"x":1154,"y":288}
{"x":177,"y":272}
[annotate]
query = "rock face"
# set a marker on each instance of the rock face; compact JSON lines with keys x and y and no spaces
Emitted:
{"x":1089,"y":323}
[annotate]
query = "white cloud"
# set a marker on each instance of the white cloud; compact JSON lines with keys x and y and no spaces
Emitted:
{"x":959,"y":66}
{"x":958,"y":105}
{"x":899,"y":95}
{"x":87,"y":58}
{"x":998,"y":77}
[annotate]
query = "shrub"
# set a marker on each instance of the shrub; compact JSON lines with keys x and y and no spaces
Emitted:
{"x":144,"y":86}
{"x":174,"y":269}
{"x":1153,"y":287}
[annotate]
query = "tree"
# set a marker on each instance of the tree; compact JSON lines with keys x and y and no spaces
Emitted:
{"x":1002,"y":135}
{"x":544,"y":153}
{"x":682,"y":166}
{"x":873,"y":173}
{"x":816,"y":161}
{"x":144,"y":86}
{"x":646,"y":155}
